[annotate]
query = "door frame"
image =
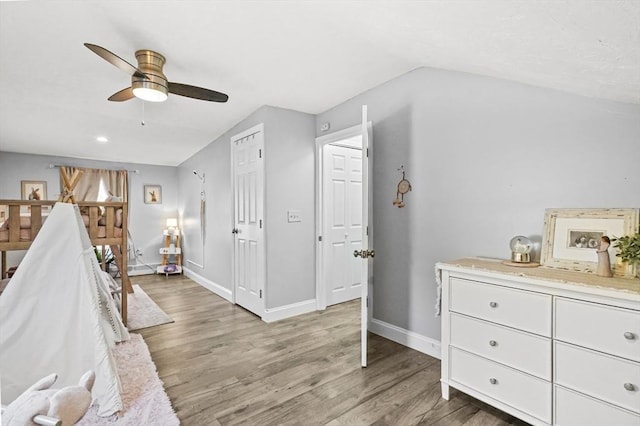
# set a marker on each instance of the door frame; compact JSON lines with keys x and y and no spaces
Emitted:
{"x":262,"y":270}
{"x":321,"y":141}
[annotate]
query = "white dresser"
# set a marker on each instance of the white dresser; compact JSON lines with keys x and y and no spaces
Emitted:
{"x":544,"y":345}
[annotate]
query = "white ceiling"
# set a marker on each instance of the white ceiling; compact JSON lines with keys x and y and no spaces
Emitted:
{"x":303,"y":55}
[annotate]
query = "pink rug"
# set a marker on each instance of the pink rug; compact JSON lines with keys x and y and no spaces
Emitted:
{"x":145,"y":401}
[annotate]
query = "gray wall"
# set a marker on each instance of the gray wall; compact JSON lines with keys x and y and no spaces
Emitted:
{"x":146,"y":221}
{"x":289,"y":170}
{"x":485,"y":158}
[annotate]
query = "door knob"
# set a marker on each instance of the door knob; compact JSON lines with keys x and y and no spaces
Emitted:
{"x":234,"y":231}
{"x":364,"y":253}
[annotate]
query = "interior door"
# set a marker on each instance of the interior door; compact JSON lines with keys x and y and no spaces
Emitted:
{"x":248,"y":229}
{"x":342,"y":204}
{"x":367,"y":252}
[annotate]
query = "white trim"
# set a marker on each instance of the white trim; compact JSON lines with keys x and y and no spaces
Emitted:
{"x":141,"y":269}
{"x":196,"y":264}
{"x":288,"y":311}
{"x":340,"y":135}
{"x":321,"y":141}
{"x":413,"y":340}
{"x":221,"y":291}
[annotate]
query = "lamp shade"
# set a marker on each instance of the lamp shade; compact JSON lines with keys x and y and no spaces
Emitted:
{"x":172,"y":222}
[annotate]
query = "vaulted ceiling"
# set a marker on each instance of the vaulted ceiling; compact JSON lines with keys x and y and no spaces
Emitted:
{"x":303,"y":55}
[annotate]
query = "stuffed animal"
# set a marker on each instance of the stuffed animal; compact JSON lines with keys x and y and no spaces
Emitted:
{"x":67,"y":404}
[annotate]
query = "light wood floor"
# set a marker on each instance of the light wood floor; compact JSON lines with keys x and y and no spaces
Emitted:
{"x":221,"y":365}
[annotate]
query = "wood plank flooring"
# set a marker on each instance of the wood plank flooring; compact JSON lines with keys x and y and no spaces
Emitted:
{"x":222,"y":365}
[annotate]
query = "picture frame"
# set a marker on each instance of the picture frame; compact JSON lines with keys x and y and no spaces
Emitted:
{"x":571,"y":237}
{"x":30,"y":189}
{"x":153,"y":194}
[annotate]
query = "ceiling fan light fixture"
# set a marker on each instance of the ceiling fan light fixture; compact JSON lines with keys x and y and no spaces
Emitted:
{"x":149,"y":91}
{"x":153,"y":86}
{"x":148,"y":81}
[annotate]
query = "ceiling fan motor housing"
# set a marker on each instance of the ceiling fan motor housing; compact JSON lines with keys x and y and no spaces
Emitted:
{"x":150,"y":63}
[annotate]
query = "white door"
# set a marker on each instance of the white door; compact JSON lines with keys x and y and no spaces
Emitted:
{"x":342,"y":200}
{"x":367,"y":252}
{"x":248,"y":183}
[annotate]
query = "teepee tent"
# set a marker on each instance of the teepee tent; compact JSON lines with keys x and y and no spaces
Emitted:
{"x":57,"y":315}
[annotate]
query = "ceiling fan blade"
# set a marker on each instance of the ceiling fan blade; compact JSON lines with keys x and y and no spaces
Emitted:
{"x":197,"y":92}
{"x":115,"y":60}
{"x":123,"y":95}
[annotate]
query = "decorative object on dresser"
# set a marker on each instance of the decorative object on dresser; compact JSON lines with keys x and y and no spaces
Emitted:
{"x":548,"y":346}
{"x":628,"y":249}
{"x":571,"y":235}
{"x":521,"y":248}
{"x":604,"y":262}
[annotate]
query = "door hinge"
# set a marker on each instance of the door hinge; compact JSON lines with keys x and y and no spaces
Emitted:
{"x":259,"y":153}
{"x":260,"y":223}
{"x":367,"y":231}
{"x":261,"y":294}
{"x":367,"y":301}
{"x":367,"y":152}
{"x":320,"y":238}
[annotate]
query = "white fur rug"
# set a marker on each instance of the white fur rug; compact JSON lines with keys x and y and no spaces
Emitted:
{"x":144,"y":312}
{"x":145,"y":401}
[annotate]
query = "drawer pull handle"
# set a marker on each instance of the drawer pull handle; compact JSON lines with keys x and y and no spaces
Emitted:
{"x":629,"y":335}
{"x":492,"y":343}
{"x":629,"y":386}
{"x":493,"y":304}
{"x":494,"y":381}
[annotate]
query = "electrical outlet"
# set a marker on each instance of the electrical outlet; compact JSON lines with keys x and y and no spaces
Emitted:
{"x":294,"y":216}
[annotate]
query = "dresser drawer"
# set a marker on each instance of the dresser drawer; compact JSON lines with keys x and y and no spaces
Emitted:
{"x":524,"y":351}
{"x":604,"y":328}
{"x":519,"y":390}
{"x":602,"y":376}
{"x":521,"y":309}
{"x":572,"y":408}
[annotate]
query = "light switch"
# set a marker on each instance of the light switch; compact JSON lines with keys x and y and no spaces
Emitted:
{"x":294,"y":216}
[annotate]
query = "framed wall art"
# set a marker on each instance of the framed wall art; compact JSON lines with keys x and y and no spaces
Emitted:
{"x":153,"y":194}
{"x":34,"y":190}
{"x":571,"y":237}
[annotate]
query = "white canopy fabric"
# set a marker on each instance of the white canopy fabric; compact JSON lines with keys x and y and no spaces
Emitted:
{"x":57,"y":315}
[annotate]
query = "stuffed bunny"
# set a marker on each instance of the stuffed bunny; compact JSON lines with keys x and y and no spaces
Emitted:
{"x":67,"y":404}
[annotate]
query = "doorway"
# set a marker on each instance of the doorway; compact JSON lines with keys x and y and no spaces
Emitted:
{"x":342,"y":165}
{"x":342,"y":219}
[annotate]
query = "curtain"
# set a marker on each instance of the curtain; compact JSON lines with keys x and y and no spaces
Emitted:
{"x":88,"y":187}
{"x":116,"y":183}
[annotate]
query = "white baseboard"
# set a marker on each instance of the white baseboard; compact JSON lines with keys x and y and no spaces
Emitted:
{"x":141,"y":269}
{"x":221,"y":291}
{"x":288,"y":311}
{"x":408,"y":338}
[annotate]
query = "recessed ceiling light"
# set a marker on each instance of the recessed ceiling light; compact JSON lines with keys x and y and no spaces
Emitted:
{"x":102,"y":139}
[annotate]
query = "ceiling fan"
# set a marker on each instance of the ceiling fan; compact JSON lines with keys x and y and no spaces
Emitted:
{"x":148,"y":81}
